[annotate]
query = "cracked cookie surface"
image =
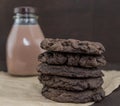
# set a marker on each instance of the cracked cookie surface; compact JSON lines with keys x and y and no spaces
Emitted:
{"x":70,"y":83}
{"x":73,"y":97}
{"x":72,"y":46}
{"x":71,"y":59}
{"x":69,"y":71}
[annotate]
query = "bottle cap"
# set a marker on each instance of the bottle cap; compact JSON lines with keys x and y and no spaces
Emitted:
{"x":24,"y":10}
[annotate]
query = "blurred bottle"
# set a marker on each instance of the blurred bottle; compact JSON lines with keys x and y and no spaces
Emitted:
{"x":23,"y":45}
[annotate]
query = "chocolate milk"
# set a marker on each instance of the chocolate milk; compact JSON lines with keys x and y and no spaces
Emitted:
{"x":23,"y":48}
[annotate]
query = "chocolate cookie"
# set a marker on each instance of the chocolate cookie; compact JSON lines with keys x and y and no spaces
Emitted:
{"x":68,"y":71}
{"x":72,"y":59}
{"x":73,"y":97}
{"x":70,"y":83}
{"x":72,"y":46}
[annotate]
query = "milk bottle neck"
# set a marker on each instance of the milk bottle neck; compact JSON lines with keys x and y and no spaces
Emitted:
{"x":25,"y":19}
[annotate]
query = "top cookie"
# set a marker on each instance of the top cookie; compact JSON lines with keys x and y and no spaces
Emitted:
{"x":72,"y":46}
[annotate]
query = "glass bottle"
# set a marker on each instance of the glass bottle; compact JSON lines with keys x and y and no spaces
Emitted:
{"x":23,"y":44}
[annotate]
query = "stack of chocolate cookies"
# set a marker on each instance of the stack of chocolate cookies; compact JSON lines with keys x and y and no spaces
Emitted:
{"x":70,"y":70}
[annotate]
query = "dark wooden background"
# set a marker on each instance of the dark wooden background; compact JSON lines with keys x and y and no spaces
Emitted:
{"x":96,"y":20}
